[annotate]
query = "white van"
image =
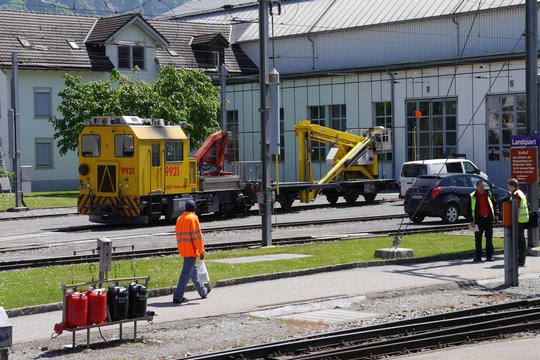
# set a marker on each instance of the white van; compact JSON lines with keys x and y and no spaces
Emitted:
{"x":412,"y":169}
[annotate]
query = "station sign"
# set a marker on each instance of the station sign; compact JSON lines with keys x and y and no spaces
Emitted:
{"x":524,"y":158}
{"x":524,"y":141}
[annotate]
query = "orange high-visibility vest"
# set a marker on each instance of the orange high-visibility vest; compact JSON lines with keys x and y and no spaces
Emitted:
{"x":188,"y":235}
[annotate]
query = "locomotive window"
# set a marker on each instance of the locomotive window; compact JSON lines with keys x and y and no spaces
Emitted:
{"x":90,"y":145}
{"x":156,"y":161}
{"x":174,"y":151}
{"x":123,"y":146}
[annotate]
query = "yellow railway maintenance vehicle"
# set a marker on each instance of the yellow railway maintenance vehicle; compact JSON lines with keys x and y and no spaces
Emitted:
{"x":354,"y":163}
{"x":136,"y":170}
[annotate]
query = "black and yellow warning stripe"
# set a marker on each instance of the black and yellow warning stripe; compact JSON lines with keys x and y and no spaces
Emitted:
{"x":127,"y":206}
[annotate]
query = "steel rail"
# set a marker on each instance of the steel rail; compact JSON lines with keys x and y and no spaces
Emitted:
{"x":134,"y":254}
{"x":254,"y":212}
{"x":85,"y":228}
{"x":399,"y":336}
{"x":205,"y":230}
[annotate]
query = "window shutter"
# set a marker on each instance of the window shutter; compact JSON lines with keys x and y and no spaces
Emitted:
{"x":43,"y":154}
{"x":42,"y":103}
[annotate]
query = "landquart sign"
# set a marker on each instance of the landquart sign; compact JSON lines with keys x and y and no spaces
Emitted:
{"x":523,"y":158}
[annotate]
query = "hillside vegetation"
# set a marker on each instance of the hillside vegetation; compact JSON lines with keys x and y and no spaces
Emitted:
{"x":148,"y":8}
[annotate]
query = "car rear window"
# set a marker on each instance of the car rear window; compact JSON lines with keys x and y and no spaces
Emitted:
{"x":427,"y":181}
{"x":413,"y":170}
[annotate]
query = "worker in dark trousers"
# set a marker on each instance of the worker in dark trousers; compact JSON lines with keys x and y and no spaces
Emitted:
{"x":523,"y":218}
{"x":484,"y":211}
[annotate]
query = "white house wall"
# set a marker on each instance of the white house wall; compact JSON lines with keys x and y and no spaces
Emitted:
{"x":63,"y":174}
{"x":142,"y":38}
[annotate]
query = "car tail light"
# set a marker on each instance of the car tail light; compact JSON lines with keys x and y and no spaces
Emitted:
{"x":407,"y":192}
{"x":435,"y":193}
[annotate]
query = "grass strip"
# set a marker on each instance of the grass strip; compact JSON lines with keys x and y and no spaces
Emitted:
{"x":40,"y":200}
{"x":27,"y":287}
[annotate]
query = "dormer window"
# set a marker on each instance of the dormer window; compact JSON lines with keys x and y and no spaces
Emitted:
{"x":24,"y":41}
{"x":209,"y":49}
{"x":130,"y":56}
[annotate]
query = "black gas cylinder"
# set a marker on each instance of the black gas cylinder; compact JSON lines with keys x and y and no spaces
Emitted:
{"x":137,"y":300}
{"x":117,"y":302}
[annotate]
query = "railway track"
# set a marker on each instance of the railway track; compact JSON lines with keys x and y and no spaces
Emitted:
{"x":250,"y":213}
{"x":167,"y":251}
{"x":399,"y":337}
{"x":206,"y":230}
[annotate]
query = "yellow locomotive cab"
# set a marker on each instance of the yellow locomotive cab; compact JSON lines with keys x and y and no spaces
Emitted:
{"x":134,"y":169}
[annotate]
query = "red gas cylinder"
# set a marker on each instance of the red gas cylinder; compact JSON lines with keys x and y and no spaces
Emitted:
{"x":76,"y":309}
{"x":97,"y":306}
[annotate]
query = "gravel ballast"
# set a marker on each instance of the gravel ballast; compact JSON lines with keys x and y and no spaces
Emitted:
{"x":173,"y":340}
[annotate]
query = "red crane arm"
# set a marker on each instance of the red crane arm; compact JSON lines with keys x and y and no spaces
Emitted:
{"x":211,"y":154}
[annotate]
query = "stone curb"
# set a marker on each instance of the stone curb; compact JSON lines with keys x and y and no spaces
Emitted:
{"x":37,"y":309}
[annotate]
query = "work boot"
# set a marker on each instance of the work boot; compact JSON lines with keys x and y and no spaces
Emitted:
{"x":184,"y":300}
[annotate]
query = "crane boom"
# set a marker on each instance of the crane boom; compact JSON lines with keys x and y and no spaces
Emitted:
{"x":211,"y":155}
{"x":354,"y":157}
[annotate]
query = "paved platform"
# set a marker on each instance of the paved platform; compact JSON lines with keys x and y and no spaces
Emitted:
{"x":271,"y":294}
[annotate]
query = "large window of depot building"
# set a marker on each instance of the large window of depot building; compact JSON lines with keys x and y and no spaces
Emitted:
{"x":281,"y":135}
{"x":506,"y":117}
{"x":233,"y":147}
{"x":383,"y":117}
{"x":433,"y":134}
{"x":334,"y":116}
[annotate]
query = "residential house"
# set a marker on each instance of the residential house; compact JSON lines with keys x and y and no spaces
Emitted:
{"x":50,"y":45}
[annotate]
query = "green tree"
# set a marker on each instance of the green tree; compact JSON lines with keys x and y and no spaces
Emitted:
{"x":176,"y":95}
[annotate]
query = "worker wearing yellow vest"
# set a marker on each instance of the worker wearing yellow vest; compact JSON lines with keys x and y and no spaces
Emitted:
{"x":484,"y":211}
{"x":190,"y":246}
{"x":523,"y":218}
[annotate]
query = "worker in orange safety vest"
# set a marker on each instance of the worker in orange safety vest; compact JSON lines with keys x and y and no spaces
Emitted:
{"x":190,"y":246}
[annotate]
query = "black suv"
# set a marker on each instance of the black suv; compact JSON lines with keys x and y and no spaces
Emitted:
{"x":446,"y":196}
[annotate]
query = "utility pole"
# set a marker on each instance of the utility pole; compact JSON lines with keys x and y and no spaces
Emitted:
{"x":531,"y":70}
{"x":15,"y":133}
{"x":265,"y":197}
{"x":223,"y":85}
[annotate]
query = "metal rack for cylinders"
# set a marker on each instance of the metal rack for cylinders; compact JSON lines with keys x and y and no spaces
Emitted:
{"x":105,"y":250}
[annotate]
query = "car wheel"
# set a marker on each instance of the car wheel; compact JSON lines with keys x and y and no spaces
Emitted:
{"x":417,"y":219}
{"x":450,"y":214}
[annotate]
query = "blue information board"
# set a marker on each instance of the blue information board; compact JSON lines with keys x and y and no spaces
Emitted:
{"x":524,"y":140}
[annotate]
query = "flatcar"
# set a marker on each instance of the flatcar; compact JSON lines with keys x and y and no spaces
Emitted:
{"x":135,"y":170}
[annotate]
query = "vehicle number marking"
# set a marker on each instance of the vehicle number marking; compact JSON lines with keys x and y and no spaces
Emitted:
{"x":127,"y":170}
{"x":172,"y":170}
{"x":417,"y":196}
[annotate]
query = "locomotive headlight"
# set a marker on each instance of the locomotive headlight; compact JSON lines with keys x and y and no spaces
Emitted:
{"x":88,"y":186}
{"x":127,"y":186}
